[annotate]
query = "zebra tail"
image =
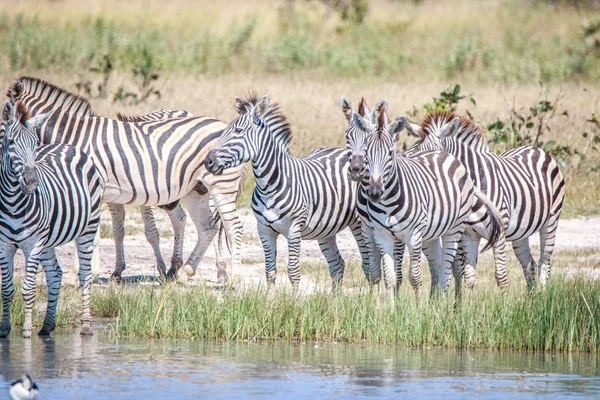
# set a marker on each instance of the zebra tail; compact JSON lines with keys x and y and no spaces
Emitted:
{"x":495,"y":226}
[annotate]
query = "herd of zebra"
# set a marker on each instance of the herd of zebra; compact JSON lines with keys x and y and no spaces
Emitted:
{"x":440,"y":197}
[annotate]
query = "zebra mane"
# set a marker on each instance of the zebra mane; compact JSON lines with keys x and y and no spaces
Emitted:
{"x":279,"y":125}
{"x":22,"y":113}
{"x":43,"y":90}
{"x":468,"y":132}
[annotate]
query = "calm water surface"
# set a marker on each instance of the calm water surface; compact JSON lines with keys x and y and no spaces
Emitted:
{"x":68,"y":366}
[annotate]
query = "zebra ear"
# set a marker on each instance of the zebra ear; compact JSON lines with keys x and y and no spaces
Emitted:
{"x":363,"y":108}
{"x":450,"y":128}
{"x":414,"y":130}
{"x":39,"y":120}
{"x":379,"y":107}
{"x":8,"y":111}
{"x":240,"y":106}
{"x":362,"y":122}
{"x":261,"y":107}
{"x":396,"y":127}
{"x":346,"y":107}
{"x":15,"y":91}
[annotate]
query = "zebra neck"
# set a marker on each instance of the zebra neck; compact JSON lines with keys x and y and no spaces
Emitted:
{"x":270,"y":165}
{"x":12,"y":199}
{"x":391,"y":185}
{"x":475,"y":158}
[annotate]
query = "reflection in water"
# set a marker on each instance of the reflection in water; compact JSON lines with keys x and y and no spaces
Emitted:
{"x":70,"y":366}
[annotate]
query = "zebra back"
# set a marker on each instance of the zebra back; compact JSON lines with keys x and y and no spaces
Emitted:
{"x":40,"y":96}
{"x":155,"y":115}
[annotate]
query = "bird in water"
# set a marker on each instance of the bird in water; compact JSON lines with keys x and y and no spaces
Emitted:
{"x":24,"y":389}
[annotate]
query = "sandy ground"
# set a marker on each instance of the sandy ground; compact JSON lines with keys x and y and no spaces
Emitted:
{"x":575,"y":235}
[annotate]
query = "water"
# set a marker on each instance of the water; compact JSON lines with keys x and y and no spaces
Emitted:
{"x":68,"y":366}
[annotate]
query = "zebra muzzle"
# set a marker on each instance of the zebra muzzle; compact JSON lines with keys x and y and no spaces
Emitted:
{"x":357,"y":167}
{"x":375,"y":189}
{"x":29,"y":180}
{"x":211,"y":162}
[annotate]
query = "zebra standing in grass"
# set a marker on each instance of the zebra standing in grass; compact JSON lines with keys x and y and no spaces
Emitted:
{"x":147,"y":162}
{"x":525,"y":183}
{"x":423,"y":201}
{"x":484,"y":221}
{"x":46,"y":200}
{"x":300,"y":198}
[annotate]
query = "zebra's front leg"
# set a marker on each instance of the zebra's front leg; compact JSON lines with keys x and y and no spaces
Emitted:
{"x":335,"y":261}
{"x":7,"y":255}
{"x":547,"y":240}
{"x":268,"y":238}
{"x":500,"y":273}
{"x":433,"y":253}
{"x":178,"y":216}
{"x":32,"y":261}
{"x":450,"y":243}
{"x":153,"y":237}
{"x":398,"y":259}
{"x":523,"y":253}
{"x":85,"y":248}
{"x":54,"y":274}
{"x":369,"y":253}
{"x":385,"y":243}
{"x":415,"y":276}
{"x":224,"y":201}
{"x":294,"y":239}
{"x":201,"y":215}
{"x":117,"y":212}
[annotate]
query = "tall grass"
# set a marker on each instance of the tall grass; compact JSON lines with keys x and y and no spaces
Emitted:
{"x":564,"y":317}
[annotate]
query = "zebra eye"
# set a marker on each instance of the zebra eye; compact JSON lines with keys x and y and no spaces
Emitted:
{"x":239,"y":129}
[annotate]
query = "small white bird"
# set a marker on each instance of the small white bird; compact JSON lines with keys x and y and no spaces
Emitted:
{"x":24,"y":389}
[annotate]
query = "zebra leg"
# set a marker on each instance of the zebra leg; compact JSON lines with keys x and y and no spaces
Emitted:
{"x":398,"y":258}
{"x":7,"y":255}
{"x":466,"y":263}
{"x":294,"y":239}
{"x":547,"y":240}
{"x":224,"y":201}
{"x":523,"y":253}
{"x":117,"y":212}
{"x":415,"y":277}
{"x":177,"y":216}
{"x":268,"y":238}
{"x":153,"y":237}
{"x":201,"y":215}
{"x":433,"y":252}
{"x":450,"y":245}
{"x":32,"y":261}
{"x":459,"y":271}
{"x":385,"y":243}
{"x":500,"y":272}
{"x":336,"y":263}
{"x":53,"y":280}
{"x":85,"y":249}
{"x":366,"y":246}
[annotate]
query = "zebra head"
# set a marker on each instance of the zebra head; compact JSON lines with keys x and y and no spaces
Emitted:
{"x":19,"y":145}
{"x":360,"y":125}
{"x":436,"y":131}
{"x":239,"y":141}
{"x":380,"y":152}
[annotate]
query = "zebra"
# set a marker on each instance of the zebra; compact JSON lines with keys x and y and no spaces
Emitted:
{"x":300,"y":198}
{"x":49,"y":195}
{"x":525,"y":183}
{"x":24,"y":389}
{"x":423,"y":201}
{"x":148,"y":162}
{"x":484,"y":220}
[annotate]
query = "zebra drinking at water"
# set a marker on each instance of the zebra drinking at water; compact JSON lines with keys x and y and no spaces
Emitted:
{"x":525,"y":183}
{"x":422,"y":201}
{"x":49,"y":196}
{"x":148,"y":162}
{"x":300,"y":198}
{"x":484,"y":221}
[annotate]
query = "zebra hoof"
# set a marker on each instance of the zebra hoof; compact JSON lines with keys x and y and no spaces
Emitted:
{"x":45,"y":331}
{"x":86,"y":331}
{"x":27,"y":334}
{"x":4,"y":333}
{"x":116,"y":277}
{"x":222,"y":277}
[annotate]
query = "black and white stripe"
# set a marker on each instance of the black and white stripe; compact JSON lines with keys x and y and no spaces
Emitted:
{"x":49,"y":196}
{"x":524,"y":183}
{"x":147,"y":162}
{"x":300,"y":198}
{"x":422,"y":201}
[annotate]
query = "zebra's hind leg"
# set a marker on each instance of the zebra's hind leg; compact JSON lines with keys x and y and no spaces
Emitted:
{"x":153,"y":237}
{"x":201,"y":215}
{"x":85,"y":248}
{"x":547,"y":240}
{"x":32,"y":261}
{"x":450,"y":243}
{"x":523,"y":253}
{"x":335,"y":261}
{"x":53,"y":280}
{"x":7,"y":255}
{"x":178,"y":216}
{"x":268,"y":238}
{"x":117,"y":212}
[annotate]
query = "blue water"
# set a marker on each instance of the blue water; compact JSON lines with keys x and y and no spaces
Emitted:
{"x":68,"y":366}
